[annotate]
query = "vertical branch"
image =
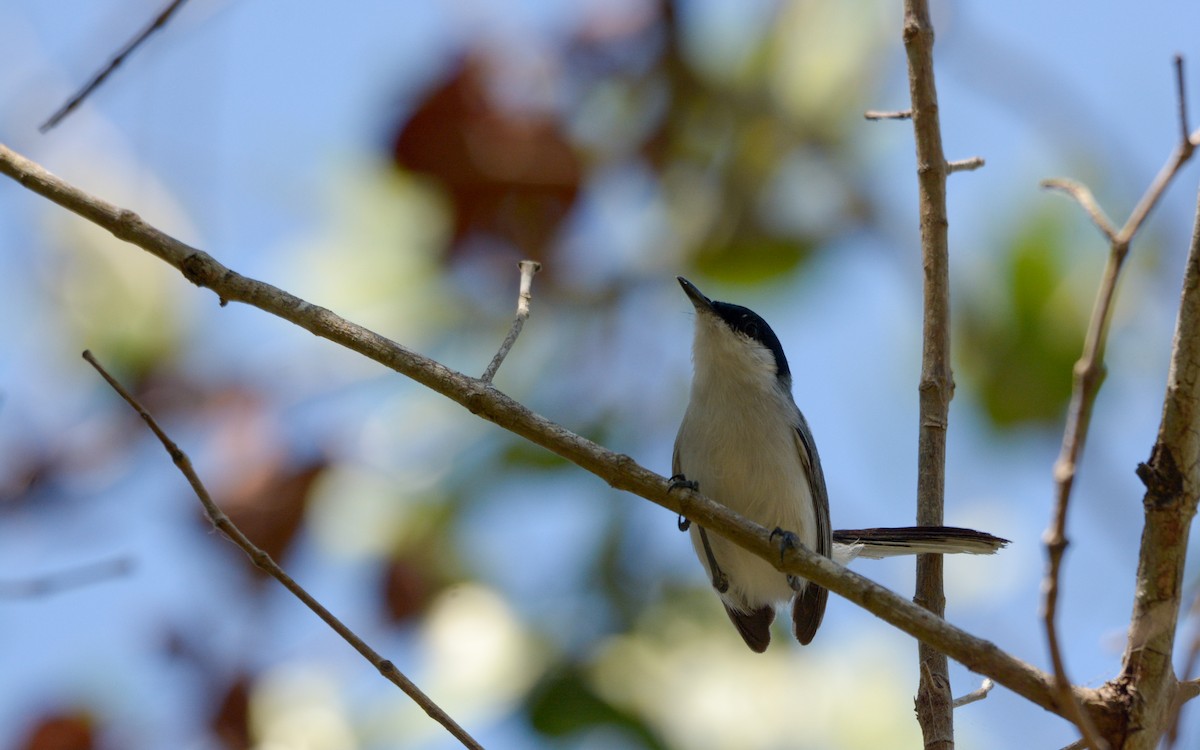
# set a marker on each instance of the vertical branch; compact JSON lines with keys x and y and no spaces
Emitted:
{"x":1163,"y":542}
{"x":934,"y":702}
{"x":1172,"y":479}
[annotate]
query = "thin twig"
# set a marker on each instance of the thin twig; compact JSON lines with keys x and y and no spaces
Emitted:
{"x":935,"y":713}
{"x":159,"y":21}
{"x":528,"y":268}
{"x":618,"y":470}
{"x":1088,"y":375}
{"x":261,"y":559}
{"x":965,"y":165}
{"x":902,"y":114}
{"x":1083,"y":196}
{"x":975,"y":695}
{"x":1181,"y":96}
{"x":63,"y":580}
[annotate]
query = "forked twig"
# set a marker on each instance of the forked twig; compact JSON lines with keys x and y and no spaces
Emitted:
{"x":263,"y":561}
{"x":1087,"y":376}
{"x":524,"y":297}
{"x":159,"y":21}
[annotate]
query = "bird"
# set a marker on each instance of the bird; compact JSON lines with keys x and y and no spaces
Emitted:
{"x":744,"y":443}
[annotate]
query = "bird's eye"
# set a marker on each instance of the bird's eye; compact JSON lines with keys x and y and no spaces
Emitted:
{"x":750,"y":328}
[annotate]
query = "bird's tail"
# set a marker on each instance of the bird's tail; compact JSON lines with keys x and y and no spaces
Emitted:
{"x":913,"y":540}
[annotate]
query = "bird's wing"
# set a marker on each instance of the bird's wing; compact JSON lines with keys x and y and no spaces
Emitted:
{"x":808,"y":608}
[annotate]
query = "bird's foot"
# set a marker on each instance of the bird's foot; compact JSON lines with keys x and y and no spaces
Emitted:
{"x":681,"y":482}
{"x":787,"y":541}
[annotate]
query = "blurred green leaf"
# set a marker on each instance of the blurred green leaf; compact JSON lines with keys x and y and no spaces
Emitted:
{"x":751,"y":260}
{"x":522,"y":454}
{"x":1022,"y":327}
{"x":564,"y":703}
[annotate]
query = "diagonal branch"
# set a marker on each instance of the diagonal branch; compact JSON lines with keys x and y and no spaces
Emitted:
{"x":620,"y":471}
{"x":1087,"y":377}
{"x":261,"y":559}
{"x":1172,"y":479}
{"x":159,"y":21}
{"x":1083,"y":196}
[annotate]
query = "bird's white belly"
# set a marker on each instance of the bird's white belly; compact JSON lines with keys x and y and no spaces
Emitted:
{"x":761,"y":477}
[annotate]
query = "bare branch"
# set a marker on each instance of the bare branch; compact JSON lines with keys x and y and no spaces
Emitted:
{"x":1083,"y":196}
{"x":934,"y":701}
{"x":1187,"y":670}
{"x":620,"y":471}
{"x":975,"y":695}
{"x":965,"y":165}
{"x":64,"y":580}
{"x":1088,"y":375}
{"x":159,"y":21}
{"x":528,"y":268}
{"x":262,"y":560}
{"x":1189,"y":690}
{"x":1181,"y":96}
{"x":1172,"y":479}
{"x":1178,"y":158}
{"x":874,"y":114}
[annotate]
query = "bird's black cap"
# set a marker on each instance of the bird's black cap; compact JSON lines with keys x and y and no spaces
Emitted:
{"x":741,"y":320}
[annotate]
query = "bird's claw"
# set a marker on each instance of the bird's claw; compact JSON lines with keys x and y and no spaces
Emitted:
{"x":720,"y":581}
{"x":788,"y":540}
{"x":681,"y":482}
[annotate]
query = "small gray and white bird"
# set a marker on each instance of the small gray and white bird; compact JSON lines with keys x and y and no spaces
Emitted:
{"x":745,"y":444}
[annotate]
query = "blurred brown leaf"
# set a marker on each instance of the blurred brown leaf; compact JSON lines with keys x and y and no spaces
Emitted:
{"x":509,"y":172}
{"x":66,"y":731}
{"x":406,"y":590}
{"x":231,"y":723}
{"x":269,"y":506}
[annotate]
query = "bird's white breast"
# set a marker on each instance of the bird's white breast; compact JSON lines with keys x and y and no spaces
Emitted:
{"x":738,"y":441}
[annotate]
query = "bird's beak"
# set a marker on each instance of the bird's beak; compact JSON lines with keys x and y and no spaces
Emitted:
{"x":699,"y":301}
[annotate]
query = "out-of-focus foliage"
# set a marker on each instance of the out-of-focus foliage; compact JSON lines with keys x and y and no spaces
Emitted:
{"x":749,"y":167}
{"x":1021,"y":326}
{"x":65,"y":731}
{"x":643,"y":140}
{"x":650,"y":139}
{"x":565,"y":703}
